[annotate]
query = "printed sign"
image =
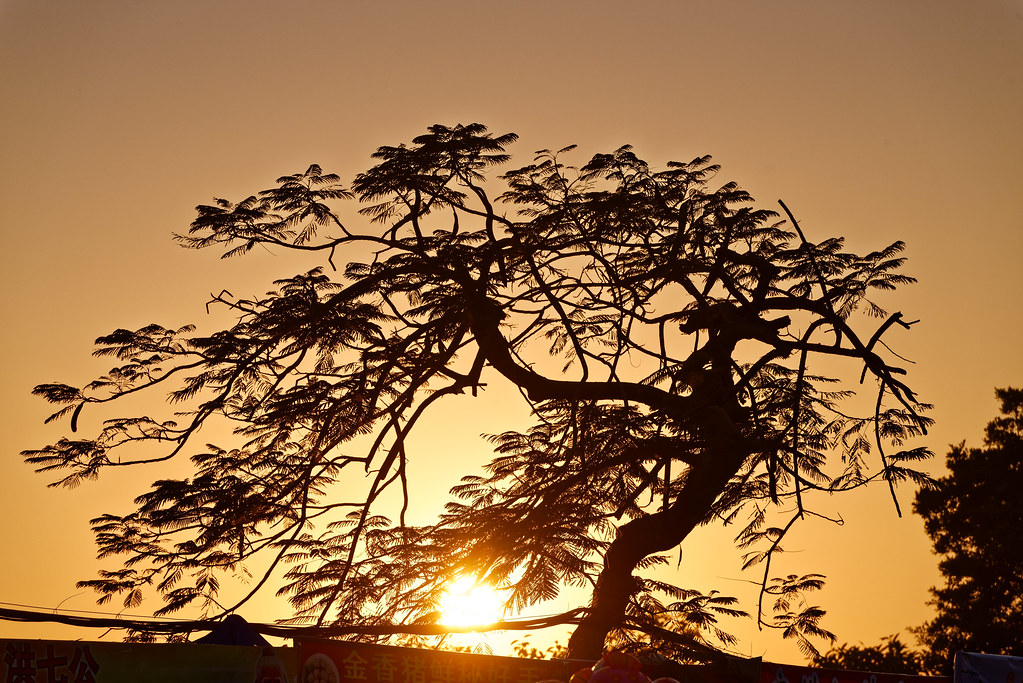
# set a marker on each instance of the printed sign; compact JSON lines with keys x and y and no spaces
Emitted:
{"x":58,"y":661}
{"x":342,"y":662}
{"x":972,"y":667}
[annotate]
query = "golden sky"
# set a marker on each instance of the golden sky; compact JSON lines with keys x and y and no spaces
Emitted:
{"x":873,"y":119}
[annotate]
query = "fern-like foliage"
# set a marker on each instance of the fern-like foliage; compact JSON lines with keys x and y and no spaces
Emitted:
{"x":664,"y":332}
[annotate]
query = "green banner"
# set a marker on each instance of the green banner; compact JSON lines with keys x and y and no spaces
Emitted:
{"x":58,"y":661}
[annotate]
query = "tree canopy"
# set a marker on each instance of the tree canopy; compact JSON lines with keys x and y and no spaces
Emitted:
{"x":975,"y":522}
{"x":891,"y":656}
{"x":665,"y":334}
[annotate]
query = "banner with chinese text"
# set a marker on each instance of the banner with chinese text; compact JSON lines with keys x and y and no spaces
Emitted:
{"x":341,"y":662}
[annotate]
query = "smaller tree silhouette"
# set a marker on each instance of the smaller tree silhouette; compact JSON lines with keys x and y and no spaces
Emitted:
{"x":890,"y":656}
{"x":975,"y":520}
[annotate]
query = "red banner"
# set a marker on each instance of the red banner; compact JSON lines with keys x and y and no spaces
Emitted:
{"x":342,"y":662}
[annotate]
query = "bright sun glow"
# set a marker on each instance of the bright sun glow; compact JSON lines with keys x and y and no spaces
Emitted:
{"x":467,"y":603}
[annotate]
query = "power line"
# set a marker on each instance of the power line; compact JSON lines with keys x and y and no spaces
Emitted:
{"x":58,"y":610}
{"x":177,"y":626}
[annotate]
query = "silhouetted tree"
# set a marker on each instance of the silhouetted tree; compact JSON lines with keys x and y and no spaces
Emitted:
{"x":975,"y":520}
{"x":662,"y":332}
{"x":890,"y":656}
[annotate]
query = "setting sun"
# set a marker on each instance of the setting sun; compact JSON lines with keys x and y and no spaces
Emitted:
{"x":468,"y":603}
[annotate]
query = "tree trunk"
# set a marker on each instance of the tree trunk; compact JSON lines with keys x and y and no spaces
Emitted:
{"x":704,"y":410}
{"x":657,"y":532}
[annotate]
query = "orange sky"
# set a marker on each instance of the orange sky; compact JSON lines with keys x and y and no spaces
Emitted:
{"x":873,"y":119}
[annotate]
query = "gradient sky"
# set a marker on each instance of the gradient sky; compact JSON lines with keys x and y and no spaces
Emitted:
{"x":872,"y":119}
